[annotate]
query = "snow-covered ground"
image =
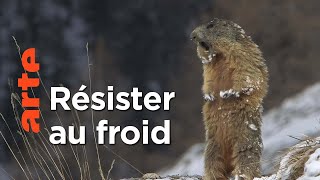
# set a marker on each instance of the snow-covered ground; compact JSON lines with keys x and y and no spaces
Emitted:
{"x":191,"y":163}
{"x":297,"y":116}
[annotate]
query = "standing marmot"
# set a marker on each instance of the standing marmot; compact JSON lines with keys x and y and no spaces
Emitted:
{"x":235,"y":83}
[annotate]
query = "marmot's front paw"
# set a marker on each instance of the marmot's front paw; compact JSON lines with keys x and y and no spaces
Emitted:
{"x":229,"y":93}
{"x":208,"y":97}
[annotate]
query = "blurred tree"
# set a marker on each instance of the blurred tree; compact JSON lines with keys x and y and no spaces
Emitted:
{"x":146,"y":44}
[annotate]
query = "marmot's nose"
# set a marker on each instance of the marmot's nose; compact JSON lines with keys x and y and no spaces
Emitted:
{"x":197,"y":35}
{"x":194,"y":36}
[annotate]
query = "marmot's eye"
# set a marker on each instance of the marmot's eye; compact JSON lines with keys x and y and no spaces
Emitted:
{"x":210,"y":26}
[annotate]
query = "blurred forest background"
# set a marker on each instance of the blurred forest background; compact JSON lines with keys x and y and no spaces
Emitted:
{"x":145,"y":44}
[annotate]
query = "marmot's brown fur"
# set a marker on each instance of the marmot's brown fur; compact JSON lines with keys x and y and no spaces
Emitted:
{"x":235,"y":83}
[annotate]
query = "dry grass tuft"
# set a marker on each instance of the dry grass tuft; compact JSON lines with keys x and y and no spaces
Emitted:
{"x":37,"y":158}
{"x":293,"y":163}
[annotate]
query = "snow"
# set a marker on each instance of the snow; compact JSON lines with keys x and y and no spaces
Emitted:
{"x":170,"y":178}
{"x":253,"y":127}
{"x":205,"y":61}
{"x":312,"y":167}
{"x":208,"y":97}
{"x":247,"y":91}
{"x":228,"y":93}
{"x":191,"y":163}
{"x":284,"y":169}
{"x":297,"y":116}
{"x":240,"y":28}
{"x":273,"y":177}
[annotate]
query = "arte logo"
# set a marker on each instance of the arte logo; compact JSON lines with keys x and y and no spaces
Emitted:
{"x":97,"y":101}
{"x":30,"y":104}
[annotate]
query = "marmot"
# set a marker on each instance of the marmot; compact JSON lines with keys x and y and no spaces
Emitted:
{"x":235,"y":83}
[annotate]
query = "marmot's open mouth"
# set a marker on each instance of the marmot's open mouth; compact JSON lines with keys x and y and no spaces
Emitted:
{"x":205,"y":52}
{"x":204,"y":45}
